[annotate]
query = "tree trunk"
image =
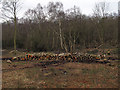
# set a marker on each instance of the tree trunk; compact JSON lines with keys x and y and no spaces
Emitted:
{"x":65,"y":47}
{"x":61,"y":40}
{"x":53,"y":41}
{"x":74,"y":43}
{"x":15,"y":29}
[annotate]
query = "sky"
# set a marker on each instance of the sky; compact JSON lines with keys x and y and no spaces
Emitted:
{"x":86,"y":6}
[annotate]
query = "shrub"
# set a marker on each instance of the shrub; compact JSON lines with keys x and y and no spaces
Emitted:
{"x":93,"y":51}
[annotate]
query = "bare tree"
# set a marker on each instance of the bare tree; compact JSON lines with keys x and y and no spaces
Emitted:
{"x":9,"y":10}
{"x":100,"y":13}
{"x":56,"y":13}
{"x":74,"y":15}
{"x":101,"y":9}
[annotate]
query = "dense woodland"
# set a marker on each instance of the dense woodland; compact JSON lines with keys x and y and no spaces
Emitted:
{"x":51,"y":28}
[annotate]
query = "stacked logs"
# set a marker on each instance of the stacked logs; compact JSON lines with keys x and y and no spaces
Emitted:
{"x":65,"y":57}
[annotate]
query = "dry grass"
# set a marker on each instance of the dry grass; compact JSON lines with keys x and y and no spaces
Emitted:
{"x":69,"y":75}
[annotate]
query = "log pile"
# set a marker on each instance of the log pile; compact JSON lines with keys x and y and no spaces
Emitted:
{"x":66,"y":57}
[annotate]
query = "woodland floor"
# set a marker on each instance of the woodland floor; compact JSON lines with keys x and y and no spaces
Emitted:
{"x":28,"y":74}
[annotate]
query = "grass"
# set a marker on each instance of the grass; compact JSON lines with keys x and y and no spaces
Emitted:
{"x":93,"y":71}
{"x":69,"y":75}
{"x":20,"y":83}
{"x":118,"y":66}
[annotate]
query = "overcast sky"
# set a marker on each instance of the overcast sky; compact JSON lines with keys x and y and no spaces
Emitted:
{"x":86,"y":6}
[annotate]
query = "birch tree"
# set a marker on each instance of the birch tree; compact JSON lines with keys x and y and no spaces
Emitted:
{"x":100,"y":13}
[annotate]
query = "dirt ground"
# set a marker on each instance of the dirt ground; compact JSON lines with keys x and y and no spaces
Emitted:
{"x":29,"y":74}
{"x":69,"y":75}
